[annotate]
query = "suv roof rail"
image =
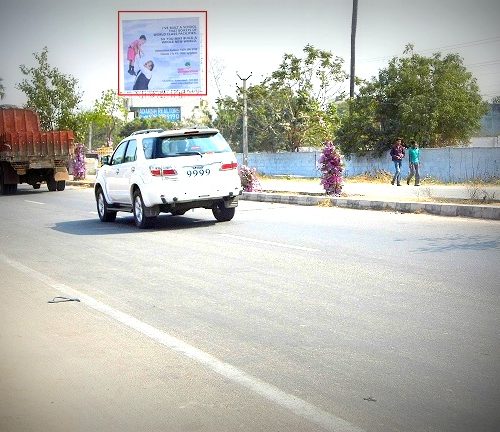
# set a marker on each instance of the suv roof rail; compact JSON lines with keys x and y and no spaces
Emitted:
{"x":145,"y":131}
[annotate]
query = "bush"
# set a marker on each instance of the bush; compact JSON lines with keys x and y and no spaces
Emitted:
{"x":249,"y":178}
{"x":79,"y":170}
{"x":331,"y":168}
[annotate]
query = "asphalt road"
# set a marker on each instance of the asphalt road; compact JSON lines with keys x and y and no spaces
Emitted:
{"x":318,"y":318}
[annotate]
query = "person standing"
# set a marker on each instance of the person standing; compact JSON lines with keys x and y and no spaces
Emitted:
{"x":414,"y":159}
{"x":397,"y":154}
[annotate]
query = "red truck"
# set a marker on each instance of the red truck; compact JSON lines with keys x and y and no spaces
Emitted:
{"x":29,"y":155}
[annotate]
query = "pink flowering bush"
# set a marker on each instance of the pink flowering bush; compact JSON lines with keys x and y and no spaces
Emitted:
{"x":79,"y":162}
{"x":249,"y":179}
{"x":331,"y":167}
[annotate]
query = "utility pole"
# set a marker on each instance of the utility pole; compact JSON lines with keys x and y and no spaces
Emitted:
{"x":90,"y":136}
{"x":245,"y":119}
{"x":353,"y":45}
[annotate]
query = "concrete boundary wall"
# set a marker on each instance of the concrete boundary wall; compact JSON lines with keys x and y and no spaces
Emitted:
{"x":447,"y":164}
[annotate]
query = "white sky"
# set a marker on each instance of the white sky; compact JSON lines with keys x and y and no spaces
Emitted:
{"x":250,"y":36}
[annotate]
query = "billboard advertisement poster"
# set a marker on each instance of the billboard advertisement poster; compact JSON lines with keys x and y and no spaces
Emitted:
{"x":162,"y":53}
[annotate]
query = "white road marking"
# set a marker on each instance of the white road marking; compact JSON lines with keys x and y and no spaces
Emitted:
{"x":35,"y":202}
{"x":282,"y":245}
{"x":286,"y":400}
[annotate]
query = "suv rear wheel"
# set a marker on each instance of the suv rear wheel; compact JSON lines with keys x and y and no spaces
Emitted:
{"x":102,"y":208}
{"x":140,"y":219}
{"x":221,"y":213}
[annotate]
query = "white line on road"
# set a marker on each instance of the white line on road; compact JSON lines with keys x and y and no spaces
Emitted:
{"x":282,"y":245}
{"x":35,"y":202}
{"x":296,"y":405}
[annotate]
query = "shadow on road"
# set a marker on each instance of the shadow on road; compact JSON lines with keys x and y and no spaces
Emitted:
{"x":452,"y":243}
{"x":125,"y":225}
{"x":29,"y":192}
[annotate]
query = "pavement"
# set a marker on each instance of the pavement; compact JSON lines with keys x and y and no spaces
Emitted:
{"x":67,"y":367}
{"x":471,"y":201}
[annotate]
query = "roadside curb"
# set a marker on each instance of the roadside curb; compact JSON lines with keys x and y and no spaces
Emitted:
{"x":440,"y":209}
{"x":80,"y":183}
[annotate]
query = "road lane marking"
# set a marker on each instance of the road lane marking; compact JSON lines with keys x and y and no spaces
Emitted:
{"x":270,"y":243}
{"x":34,"y":202}
{"x":294,"y":404}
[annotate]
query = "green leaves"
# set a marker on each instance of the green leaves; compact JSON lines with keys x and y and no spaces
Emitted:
{"x":109,"y":112}
{"x":433,"y":100}
{"x":293,"y":107}
{"x":52,"y":94}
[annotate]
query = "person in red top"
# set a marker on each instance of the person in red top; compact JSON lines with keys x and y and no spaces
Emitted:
{"x":397,"y":154}
{"x":134,"y":49}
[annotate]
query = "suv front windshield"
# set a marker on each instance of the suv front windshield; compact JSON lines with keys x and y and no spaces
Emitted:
{"x":191,"y":144}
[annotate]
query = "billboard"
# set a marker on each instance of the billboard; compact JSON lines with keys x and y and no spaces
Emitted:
{"x":172,"y":114}
{"x":162,"y":53}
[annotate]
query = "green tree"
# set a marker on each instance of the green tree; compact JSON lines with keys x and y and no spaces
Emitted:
{"x":108,"y":113}
{"x":145,"y":123}
{"x":291,"y":108}
{"x":306,"y":89}
{"x":82,"y":128}
{"x":228,"y":119}
{"x":434,"y":100}
{"x":52,"y":94}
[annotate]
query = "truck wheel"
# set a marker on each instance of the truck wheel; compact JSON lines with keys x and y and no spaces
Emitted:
{"x":140,"y":219}
{"x":102,"y":208}
{"x":221,"y":213}
{"x":61,"y":185}
{"x":11,"y":189}
{"x":51,"y":184}
{"x":36,"y":186}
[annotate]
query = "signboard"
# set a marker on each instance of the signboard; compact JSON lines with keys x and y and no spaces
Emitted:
{"x":172,"y":114}
{"x":162,"y":53}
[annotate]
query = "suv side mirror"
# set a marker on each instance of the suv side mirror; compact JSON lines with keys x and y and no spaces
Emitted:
{"x":105,"y":160}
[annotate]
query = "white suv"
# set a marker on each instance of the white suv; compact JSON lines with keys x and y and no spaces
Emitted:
{"x":155,"y":171}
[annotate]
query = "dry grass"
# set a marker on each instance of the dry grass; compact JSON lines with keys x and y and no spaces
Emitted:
{"x":383,"y":176}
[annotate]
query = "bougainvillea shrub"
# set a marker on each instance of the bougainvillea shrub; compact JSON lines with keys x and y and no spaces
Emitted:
{"x":249,"y":179}
{"x":79,"y":162}
{"x":331,"y":167}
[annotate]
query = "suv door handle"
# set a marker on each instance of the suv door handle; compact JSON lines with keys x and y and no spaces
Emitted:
{"x":132,"y":169}
{"x":117,"y":170}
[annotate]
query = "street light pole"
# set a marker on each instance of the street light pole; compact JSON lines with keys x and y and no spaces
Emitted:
{"x":245,"y":119}
{"x":354,"y":24}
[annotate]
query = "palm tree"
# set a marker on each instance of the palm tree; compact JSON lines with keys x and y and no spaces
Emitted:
{"x":353,"y":44}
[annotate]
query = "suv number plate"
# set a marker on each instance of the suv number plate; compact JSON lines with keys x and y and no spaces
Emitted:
{"x":198,"y":172}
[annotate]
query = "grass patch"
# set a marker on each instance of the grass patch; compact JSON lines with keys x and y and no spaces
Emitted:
{"x":383,"y":176}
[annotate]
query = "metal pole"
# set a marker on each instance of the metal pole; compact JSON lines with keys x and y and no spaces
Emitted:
{"x":90,"y":136}
{"x":353,"y":45}
{"x":245,"y":120}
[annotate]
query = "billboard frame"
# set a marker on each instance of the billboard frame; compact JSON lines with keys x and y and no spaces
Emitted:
{"x":174,"y":93}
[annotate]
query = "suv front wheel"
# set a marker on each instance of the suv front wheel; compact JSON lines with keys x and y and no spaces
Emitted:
{"x":140,"y":219}
{"x":102,"y":208}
